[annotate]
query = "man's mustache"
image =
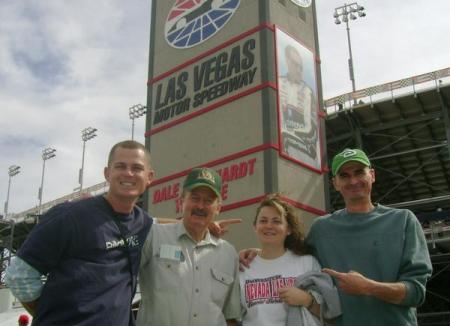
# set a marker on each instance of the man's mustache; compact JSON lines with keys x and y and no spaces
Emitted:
{"x":199,"y":212}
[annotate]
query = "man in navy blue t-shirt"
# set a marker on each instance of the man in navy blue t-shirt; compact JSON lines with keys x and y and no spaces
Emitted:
{"x":89,"y":250}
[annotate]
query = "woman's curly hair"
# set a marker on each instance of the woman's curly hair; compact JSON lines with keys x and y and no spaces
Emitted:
{"x":295,"y":241}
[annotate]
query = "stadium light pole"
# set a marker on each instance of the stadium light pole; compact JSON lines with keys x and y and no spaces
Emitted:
{"x":135,"y":112}
{"x":86,"y":134}
{"x":343,"y":14}
{"x":47,"y":154}
{"x":12,"y":171}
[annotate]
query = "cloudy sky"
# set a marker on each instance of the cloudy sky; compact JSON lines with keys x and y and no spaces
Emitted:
{"x":68,"y":65}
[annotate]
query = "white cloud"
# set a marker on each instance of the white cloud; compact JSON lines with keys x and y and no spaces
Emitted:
{"x":67,"y":66}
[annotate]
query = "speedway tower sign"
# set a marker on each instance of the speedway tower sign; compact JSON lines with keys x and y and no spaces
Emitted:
{"x":234,"y":85}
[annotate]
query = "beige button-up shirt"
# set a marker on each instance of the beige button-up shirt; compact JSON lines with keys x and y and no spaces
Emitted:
{"x":185,"y":283}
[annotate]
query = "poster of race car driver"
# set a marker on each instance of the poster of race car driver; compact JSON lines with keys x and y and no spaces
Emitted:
{"x":297,"y":101}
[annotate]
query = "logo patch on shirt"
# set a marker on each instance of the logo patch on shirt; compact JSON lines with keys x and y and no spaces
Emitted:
{"x":131,"y":241}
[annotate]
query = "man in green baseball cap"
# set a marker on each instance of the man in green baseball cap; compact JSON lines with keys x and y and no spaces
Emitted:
{"x":185,"y":265}
{"x":377,"y":255}
{"x":353,"y":178}
{"x":202,"y":200}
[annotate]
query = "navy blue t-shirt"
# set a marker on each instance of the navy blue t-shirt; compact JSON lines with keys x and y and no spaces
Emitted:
{"x":81,"y":249}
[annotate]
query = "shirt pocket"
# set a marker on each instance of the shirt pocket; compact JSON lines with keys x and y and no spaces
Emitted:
{"x":167,"y":275}
{"x":221,"y":283}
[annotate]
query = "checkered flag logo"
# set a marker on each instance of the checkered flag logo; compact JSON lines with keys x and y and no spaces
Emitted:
{"x":340,"y":99}
{"x":401,"y":83}
{"x":373,"y":90}
{"x":369,"y":91}
{"x":405,"y":82}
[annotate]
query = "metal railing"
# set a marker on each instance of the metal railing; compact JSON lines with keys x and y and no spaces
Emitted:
{"x":90,"y":191}
{"x":383,"y":91}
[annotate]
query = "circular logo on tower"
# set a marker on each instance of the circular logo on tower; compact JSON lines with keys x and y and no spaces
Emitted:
{"x":302,"y":3}
{"x":191,"y":22}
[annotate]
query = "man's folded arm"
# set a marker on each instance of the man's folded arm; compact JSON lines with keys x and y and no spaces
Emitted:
{"x":25,"y":283}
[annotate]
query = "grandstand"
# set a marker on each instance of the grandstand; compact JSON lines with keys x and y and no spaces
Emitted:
{"x":404,"y":126}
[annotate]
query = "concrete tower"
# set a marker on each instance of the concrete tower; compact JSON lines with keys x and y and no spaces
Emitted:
{"x":234,"y":85}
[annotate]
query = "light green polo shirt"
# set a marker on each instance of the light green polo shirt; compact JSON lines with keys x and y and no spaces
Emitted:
{"x":185,"y":283}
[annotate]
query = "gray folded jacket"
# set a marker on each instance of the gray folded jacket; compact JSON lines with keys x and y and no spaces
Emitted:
{"x":321,"y":286}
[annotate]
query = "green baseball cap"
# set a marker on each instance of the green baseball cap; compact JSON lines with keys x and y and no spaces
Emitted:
{"x":348,"y":155}
{"x":203,"y":177}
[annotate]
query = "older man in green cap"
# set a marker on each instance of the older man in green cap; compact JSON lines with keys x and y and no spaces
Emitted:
{"x":377,"y":255}
{"x":188,"y":276}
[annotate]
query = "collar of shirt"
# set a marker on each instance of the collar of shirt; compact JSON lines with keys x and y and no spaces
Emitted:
{"x":208,"y":240}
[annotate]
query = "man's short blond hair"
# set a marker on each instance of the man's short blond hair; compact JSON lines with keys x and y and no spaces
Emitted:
{"x":128,"y":144}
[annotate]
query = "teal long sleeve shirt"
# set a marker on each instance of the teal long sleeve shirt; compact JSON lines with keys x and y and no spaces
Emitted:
{"x":386,"y":245}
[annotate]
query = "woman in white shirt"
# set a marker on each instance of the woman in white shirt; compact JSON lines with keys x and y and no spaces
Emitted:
{"x":267,"y":286}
